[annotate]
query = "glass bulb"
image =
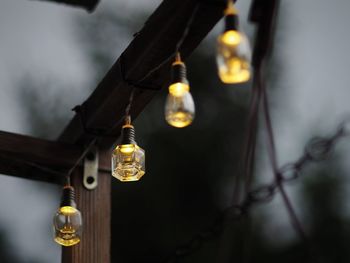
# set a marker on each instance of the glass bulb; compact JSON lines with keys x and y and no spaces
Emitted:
{"x":67,"y":226}
{"x":179,"y":107}
{"x":233,"y":57}
{"x":128,"y":162}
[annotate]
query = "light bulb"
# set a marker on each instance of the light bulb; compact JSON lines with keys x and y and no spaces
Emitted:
{"x":179,"y":107}
{"x":233,"y":50}
{"x":67,"y":220}
{"x":128,"y":159}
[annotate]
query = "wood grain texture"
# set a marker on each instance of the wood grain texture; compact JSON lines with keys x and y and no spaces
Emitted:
{"x":95,"y":207}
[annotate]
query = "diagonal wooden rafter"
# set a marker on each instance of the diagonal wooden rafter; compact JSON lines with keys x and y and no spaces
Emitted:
{"x":155,"y":44}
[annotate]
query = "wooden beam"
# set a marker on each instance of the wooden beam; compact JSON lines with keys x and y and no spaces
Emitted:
{"x":38,"y":159}
{"x":104,"y":110}
{"x":22,"y":156}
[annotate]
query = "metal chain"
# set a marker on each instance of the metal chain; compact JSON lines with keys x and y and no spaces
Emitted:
{"x":313,"y":152}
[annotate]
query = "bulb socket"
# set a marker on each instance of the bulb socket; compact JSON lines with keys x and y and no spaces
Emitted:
{"x":178,"y":73}
{"x":231,"y":22}
{"x":68,"y":197}
{"x":128,"y":134}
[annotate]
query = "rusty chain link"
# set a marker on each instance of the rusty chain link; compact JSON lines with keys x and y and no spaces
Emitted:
{"x":318,"y":149}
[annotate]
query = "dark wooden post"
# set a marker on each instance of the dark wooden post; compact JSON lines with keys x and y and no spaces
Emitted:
{"x":95,"y":206}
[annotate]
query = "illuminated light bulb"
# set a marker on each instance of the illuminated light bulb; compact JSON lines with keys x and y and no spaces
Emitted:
{"x":179,"y":107}
{"x":128,"y":159}
{"x":67,"y":220}
{"x":233,"y":50}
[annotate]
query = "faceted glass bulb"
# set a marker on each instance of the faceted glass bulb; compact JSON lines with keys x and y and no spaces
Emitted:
{"x":233,"y":57}
{"x":67,"y":226}
{"x":179,"y":107}
{"x":128,"y":162}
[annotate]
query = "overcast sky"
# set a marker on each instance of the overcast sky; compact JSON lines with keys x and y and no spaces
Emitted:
{"x":37,"y":37}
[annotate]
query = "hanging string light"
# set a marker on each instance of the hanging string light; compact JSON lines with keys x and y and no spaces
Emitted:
{"x":128,"y":159}
{"x":67,"y":221}
{"x":179,"y":107}
{"x":233,"y":50}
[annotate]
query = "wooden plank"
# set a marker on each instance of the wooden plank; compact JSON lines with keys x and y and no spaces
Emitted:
{"x":155,"y":43}
{"x":21,"y":156}
{"x":95,"y":207}
{"x":37,"y":159}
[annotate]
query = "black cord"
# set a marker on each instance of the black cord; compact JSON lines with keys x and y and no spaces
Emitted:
{"x":128,"y":107}
{"x":101,"y":133}
{"x":187,"y":29}
{"x":166,"y":60}
{"x":105,"y":132}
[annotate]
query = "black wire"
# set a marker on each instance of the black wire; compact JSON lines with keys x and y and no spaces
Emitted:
{"x":78,"y":109}
{"x":82,"y":156}
{"x":274,"y":162}
{"x":295,"y":221}
{"x":128,"y":107}
{"x":68,"y":181}
{"x":187,"y":29}
{"x":177,"y":48}
{"x":250,"y":144}
{"x":104,"y":133}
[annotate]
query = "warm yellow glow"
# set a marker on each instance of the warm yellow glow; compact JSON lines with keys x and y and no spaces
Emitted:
{"x":67,"y":210}
{"x":67,"y":226}
{"x":129,"y":175}
{"x":67,"y":242}
{"x":235,"y":71}
{"x":179,"y":119}
{"x":178,"y":89}
{"x":127,"y":148}
{"x":230,"y":9}
{"x":67,"y":236}
{"x":128,"y":162}
{"x":231,"y":37}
